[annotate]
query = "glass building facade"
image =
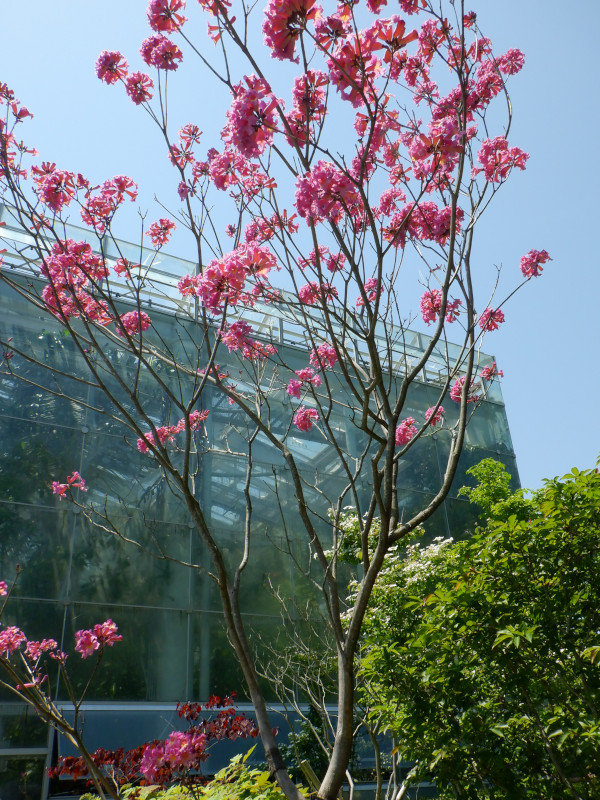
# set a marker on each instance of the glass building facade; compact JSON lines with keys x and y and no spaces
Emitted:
{"x":74,"y":575}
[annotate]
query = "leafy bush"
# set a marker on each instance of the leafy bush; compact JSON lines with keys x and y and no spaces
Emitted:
{"x":481,"y":657}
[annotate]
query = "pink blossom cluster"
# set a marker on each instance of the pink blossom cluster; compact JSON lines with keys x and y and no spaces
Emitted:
{"x":531,"y":263}
{"x":322,"y":257}
{"x":511,"y":62}
{"x":327,"y":193}
{"x":434,"y":416}
{"x":405,"y":431}
{"x":111,"y":67}
{"x":35,"y":650}
{"x":182,"y":156}
{"x":238,"y":337}
{"x":307,"y":377}
{"x":304,"y":418}
{"x":223,"y":280}
{"x":132,"y":323}
{"x":431,"y":306}
{"x":457,"y":388}
{"x":329,"y":30}
{"x":230,"y":170}
{"x":11,"y":638}
{"x":104,"y":634}
{"x":251,"y":118}
{"x":354,"y":66}
{"x":98,"y":209}
{"x":74,"y":481}
{"x":181,"y":751}
{"x":491,"y":319}
{"x":371,"y":289}
{"x":261,"y":229}
{"x":435,"y":154}
{"x":161,"y":52}
{"x":308,"y":109}
{"x":167,"y":433}
{"x":56,"y":187}
{"x":491,"y":372}
{"x":284,"y":22}
{"x":3,"y":589}
{"x":497,"y":159}
{"x":139,"y":87}
{"x":164,"y":16}
{"x":123,"y":267}
{"x":425,"y":222}
{"x":312,"y":293}
{"x":160,"y":232}
{"x":323,"y":357}
{"x":70,"y":268}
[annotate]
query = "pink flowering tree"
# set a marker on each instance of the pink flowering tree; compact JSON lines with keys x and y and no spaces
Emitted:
{"x":27,"y":667}
{"x":26,"y":670}
{"x":357,"y":144}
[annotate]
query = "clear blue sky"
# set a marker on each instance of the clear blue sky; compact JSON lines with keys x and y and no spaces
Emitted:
{"x":548,"y":348}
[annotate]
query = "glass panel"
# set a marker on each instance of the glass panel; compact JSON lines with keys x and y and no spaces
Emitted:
{"x":149,"y":664}
{"x":27,"y":535}
{"x":215,"y":669}
{"x":20,"y":726}
{"x":21,"y":777}
{"x":109,"y":570}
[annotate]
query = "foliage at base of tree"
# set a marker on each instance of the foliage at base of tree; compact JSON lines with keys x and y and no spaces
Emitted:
{"x":481,"y":657}
{"x":236,"y":781}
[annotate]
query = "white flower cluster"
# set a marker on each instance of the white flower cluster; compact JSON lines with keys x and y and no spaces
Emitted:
{"x":420,"y":562}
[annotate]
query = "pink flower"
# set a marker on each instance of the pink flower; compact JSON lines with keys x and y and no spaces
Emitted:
{"x":431,"y":304}
{"x":452,"y":310}
{"x":139,"y":87}
{"x":489,"y":373}
{"x":294,"y":388}
{"x":511,"y":62}
{"x":457,"y":387}
{"x":152,"y":760}
{"x":74,"y":481}
{"x":410,"y":6}
{"x":251,"y":118}
{"x":324,"y":357}
{"x":59,"y":488}
{"x":497,"y":159}
{"x":167,"y":433}
{"x":86,"y":643}
{"x":284,"y":22}
{"x":433,"y":416}
{"x":35,"y":650}
{"x":3,"y":589}
{"x":56,"y":189}
{"x":160,"y":52}
{"x":107,"y":633}
{"x":163,"y":16}
{"x":304,"y":418}
{"x":313,"y":293}
{"x":160,"y":232}
{"x":491,"y":319}
{"x":133,"y":322}
{"x":327,"y":193}
{"x":183,"y":750}
{"x":307,"y":375}
{"x":405,"y":431}
{"x":111,"y":66}
{"x":11,"y":639}
{"x":531,"y":264}
{"x":371,"y":290}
